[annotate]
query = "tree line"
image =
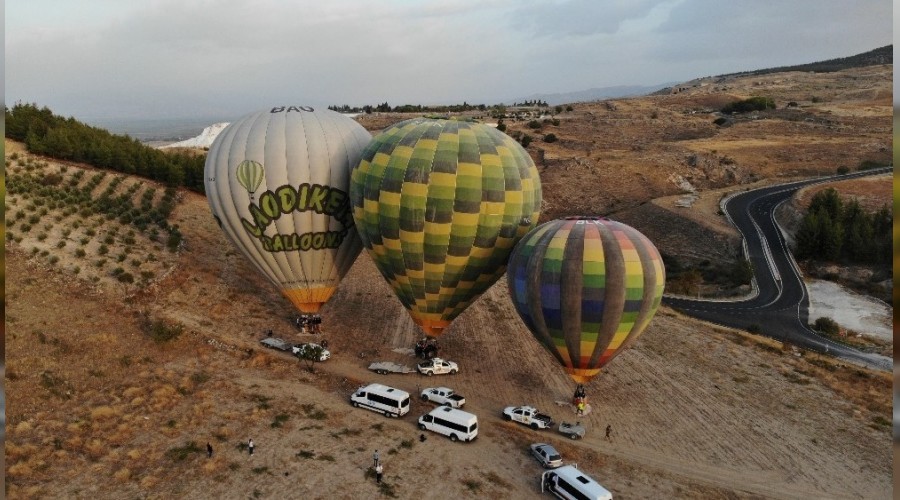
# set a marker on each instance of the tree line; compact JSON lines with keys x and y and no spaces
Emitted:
{"x":68,"y":139}
{"x":409,"y":108}
{"x":841,"y":231}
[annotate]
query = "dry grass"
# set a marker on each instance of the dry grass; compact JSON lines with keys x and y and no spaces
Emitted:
{"x":93,"y":401}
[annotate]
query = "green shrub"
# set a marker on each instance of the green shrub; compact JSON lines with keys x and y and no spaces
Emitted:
{"x":827,"y":326}
{"x":751,"y":104}
{"x":550,"y":138}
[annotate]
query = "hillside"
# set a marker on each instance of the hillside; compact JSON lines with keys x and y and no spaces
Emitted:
{"x":98,"y":409}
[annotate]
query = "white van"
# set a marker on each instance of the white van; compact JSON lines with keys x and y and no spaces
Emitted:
{"x":381,"y":398}
{"x":456,"y":424}
{"x":569,"y":483}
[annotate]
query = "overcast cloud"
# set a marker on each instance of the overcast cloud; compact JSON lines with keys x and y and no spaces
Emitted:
{"x":225,"y":58}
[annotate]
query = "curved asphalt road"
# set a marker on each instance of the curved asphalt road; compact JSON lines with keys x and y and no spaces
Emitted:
{"x":780,"y":307}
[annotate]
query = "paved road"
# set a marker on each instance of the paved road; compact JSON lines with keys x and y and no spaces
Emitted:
{"x":780,"y":307}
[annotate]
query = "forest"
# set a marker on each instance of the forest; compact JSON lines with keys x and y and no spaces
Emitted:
{"x":45,"y":133}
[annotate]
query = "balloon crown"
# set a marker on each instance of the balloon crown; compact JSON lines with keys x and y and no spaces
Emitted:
{"x":587,"y":217}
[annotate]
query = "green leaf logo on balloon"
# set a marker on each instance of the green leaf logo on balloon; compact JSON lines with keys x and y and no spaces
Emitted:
{"x":250,"y":175}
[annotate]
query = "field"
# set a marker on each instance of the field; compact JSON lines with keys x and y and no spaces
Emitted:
{"x":115,"y":384}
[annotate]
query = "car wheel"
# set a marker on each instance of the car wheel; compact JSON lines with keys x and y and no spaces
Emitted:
{"x":573,"y":436}
{"x":382,"y":372}
{"x":422,"y":426}
{"x":453,"y":437}
{"x":429,"y":373}
{"x":452,"y":372}
{"x":424,"y":397}
{"x":534,"y":426}
{"x":506,"y":417}
{"x":448,"y":405}
{"x":355,"y":404}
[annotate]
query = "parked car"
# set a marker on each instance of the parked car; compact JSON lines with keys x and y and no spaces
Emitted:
{"x":275,"y":343}
{"x":528,"y":415}
{"x":437,"y":366}
{"x":546,"y":455}
{"x":574,"y":431}
{"x":300,"y":350}
{"x":443,"y":396}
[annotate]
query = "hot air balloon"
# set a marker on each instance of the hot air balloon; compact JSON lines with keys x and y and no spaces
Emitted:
{"x":439,"y":205}
{"x":277,"y":183}
{"x":587,"y":288}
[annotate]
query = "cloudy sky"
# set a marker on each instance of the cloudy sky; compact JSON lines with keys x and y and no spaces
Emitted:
{"x":101,"y":59}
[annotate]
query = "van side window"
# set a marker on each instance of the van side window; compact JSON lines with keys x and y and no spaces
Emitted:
{"x":571,"y":490}
{"x":428,"y":418}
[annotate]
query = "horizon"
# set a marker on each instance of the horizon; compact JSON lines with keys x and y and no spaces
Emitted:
{"x":180,"y":60}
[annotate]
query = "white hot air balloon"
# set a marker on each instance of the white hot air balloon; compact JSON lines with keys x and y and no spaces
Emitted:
{"x":277,"y":182}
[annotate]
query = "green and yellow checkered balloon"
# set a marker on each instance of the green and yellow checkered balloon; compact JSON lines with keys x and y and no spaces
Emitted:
{"x":440,"y":204}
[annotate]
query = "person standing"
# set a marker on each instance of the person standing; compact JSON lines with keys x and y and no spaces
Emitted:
{"x":608,"y":432}
{"x":208,"y":450}
{"x":379,"y":471}
{"x":375,"y":458}
{"x":250,"y":446}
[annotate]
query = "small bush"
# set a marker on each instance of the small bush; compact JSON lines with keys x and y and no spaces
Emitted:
{"x":827,"y":326}
{"x":550,"y":138}
{"x":752,"y":104}
{"x":181,"y":453}
{"x":160,"y":331}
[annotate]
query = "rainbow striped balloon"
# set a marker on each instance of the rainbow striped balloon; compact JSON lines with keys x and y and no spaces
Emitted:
{"x":586,"y":287}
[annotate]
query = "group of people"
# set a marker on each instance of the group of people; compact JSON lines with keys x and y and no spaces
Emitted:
{"x":426,"y":348}
{"x":308,"y":323}
{"x":579,"y":400}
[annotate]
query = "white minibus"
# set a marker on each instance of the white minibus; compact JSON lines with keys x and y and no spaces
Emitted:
{"x":381,"y":398}
{"x":569,"y":483}
{"x":456,"y":424}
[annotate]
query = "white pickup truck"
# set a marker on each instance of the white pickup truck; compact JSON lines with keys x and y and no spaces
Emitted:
{"x":437,"y":366}
{"x":443,"y":396}
{"x":528,"y":415}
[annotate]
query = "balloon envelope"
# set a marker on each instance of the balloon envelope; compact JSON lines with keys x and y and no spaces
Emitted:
{"x":586,"y":288}
{"x":277,"y":183}
{"x":439,"y":204}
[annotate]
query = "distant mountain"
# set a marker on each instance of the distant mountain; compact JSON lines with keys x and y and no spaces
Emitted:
{"x":204,"y":140}
{"x":881,"y":55}
{"x":594,"y":94}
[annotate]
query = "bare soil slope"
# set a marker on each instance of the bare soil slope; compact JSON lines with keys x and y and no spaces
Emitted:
{"x":96,"y":409}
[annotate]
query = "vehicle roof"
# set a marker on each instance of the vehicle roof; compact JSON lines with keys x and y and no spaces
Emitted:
{"x":585,"y":482}
{"x":446,"y":410}
{"x":383,"y":388}
{"x":447,"y":389}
